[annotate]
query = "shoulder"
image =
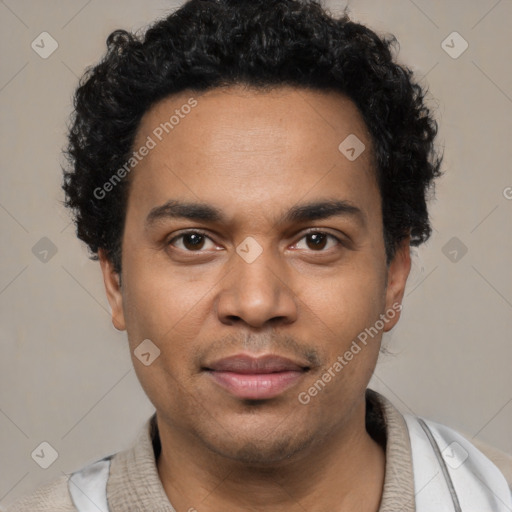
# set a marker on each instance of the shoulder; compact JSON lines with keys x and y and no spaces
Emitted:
{"x":51,"y":497}
{"x":446,"y":435}
{"x":485,"y":453}
{"x":440,"y":450}
{"x":501,"y":460}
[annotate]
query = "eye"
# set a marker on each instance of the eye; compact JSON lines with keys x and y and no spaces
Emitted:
{"x":194,"y":241}
{"x":191,"y":241}
{"x":317,"y":240}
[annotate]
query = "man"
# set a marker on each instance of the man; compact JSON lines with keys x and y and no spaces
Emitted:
{"x":251,"y":176}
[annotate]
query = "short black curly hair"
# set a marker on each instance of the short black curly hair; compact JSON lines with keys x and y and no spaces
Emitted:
{"x":261,"y":44}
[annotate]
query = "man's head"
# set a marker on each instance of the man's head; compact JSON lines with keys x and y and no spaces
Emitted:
{"x":256,"y":172}
{"x":207,"y":44}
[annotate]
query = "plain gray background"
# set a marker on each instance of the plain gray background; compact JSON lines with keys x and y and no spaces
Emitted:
{"x":65,"y":374}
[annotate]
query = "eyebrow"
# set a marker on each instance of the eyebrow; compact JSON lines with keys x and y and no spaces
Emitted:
{"x":204,"y":212}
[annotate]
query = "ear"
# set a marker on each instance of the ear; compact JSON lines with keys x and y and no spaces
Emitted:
{"x":113,"y":290}
{"x":398,"y":272}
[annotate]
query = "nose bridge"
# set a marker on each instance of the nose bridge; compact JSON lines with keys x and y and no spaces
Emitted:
{"x":255,"y":289}
{"x":257,"y":273}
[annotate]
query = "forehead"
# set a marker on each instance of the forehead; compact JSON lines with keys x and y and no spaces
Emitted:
{"x":238,"y":148}
{"x":250,"y":119}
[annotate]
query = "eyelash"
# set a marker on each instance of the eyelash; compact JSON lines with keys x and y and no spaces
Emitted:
{"x":202,"y":233}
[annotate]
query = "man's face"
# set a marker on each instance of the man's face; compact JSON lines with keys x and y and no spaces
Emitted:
{"x":253,"y":283}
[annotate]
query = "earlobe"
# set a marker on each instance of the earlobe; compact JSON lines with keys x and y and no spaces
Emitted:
{"x":398,"y":272}
{"x":111,"y":279}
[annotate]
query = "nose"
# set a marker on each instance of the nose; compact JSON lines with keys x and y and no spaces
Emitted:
{"x":256,"y":293}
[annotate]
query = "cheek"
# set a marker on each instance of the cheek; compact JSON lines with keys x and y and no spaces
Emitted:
{"x":163,"y":309}
{"x":170,"y":308}
{"x":350,"y":298}
{"x":159,"y":299}
{"x":345,"y":309}
{"x":350,"y":306}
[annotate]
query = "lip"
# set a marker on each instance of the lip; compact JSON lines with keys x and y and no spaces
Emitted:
{"x":256,"y":378}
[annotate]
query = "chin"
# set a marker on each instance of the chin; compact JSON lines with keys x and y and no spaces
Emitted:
{"x":257,"y":448}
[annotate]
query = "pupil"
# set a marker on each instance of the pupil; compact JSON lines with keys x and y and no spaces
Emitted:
{"x":318,"y":240}
{"x":193,"y":244}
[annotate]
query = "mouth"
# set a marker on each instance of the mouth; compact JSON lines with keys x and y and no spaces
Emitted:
{"x":256,"y":378}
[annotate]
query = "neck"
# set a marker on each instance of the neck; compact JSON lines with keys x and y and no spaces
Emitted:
{"x":342,"y":472}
